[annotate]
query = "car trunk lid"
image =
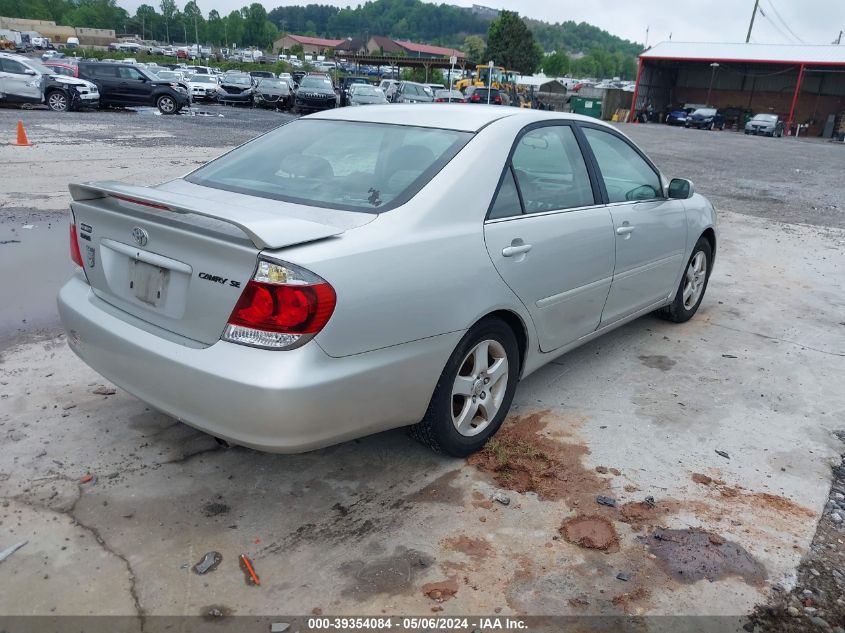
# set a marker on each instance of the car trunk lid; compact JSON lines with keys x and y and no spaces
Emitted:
{"x":179,"y":260}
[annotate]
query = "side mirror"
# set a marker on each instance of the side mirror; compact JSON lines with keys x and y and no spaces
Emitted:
{"x":29,"y":71}
{"x":681,"y":189}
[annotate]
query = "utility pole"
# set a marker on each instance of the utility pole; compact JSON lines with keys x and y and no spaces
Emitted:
{"x":751,"y":25}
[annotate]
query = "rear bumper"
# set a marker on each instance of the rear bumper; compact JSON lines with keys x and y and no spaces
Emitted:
{"x":279,"y":401}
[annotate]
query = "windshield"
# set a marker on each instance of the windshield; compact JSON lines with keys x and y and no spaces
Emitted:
{"x":448,"y":94}
{"x":367,"y":167}
{"x":705,"y":112}
{"x":367,"y":91}
{"x":315,"y":83}
{"x":40,"y":68}
{"x":272,"y":83}
{"x":766,"y":118}
{"x":167,"y":75}
{"x":238,"y":80}
{"x":203,"y":79}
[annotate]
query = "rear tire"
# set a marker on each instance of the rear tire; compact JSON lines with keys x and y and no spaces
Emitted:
{"x":693,"y":285}
{"x":474,"y":392}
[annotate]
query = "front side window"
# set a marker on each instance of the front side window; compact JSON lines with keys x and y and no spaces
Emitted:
{"x":627,"y":176}
{"x":348,"y":165}
{"x":550,"y":170}
{"x":130,"y":73}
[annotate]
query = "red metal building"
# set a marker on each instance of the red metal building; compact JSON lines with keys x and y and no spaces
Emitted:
{"x":804,"y":84}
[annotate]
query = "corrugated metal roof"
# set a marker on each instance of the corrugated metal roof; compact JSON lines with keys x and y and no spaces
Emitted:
{"x":830,"y":54}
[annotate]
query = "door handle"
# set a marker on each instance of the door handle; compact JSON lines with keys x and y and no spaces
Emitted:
{"x":510,"y":251}
{"x":626,"y":229}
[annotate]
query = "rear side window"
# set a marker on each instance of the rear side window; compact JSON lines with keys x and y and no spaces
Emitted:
{"x":507,"y":201}
{"x":550,"y":170}
{"x":103,"y":70}
{"x":11,"y":66}
{"x":348,"y":165}
{"x":627,"y":176}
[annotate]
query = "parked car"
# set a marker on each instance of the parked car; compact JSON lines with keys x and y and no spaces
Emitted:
{"x":676,"y":117}
{"x":345,"y":83}
{"x":706,"y":119}
{"x":236,"y":88}
{"x":274,"y":93}
{"x":449,"y":96}
{"x":174,"y":77}
{"x":389,"y":86}
{"x":475,"y":94}
{"x":203,"y":87}
{"x":315,"y":93}
{"x":125,"y":85}
{"x":321,"y":298}
{"x":412,"y":92}
{"x":26,"y":80}
{"x":766,"y":124}
{"x":298,"y":76}
{"x":365,"y":94}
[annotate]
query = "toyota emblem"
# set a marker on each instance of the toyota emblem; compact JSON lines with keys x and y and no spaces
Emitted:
{"x":140,"y":236}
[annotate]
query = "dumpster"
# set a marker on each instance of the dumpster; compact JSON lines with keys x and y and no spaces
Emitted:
{"x":586,"y":106}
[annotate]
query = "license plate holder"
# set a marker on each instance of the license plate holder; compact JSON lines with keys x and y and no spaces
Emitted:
{"x":148,"y":283}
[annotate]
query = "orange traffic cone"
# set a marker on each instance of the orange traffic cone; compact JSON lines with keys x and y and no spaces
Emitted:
{"x":23,"y":141}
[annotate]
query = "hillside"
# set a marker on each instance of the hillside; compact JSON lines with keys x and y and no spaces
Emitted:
{"x":435,"y":23}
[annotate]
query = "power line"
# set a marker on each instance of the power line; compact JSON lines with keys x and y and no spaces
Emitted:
{"x":774,"y":25}
{"x":784,"y":22}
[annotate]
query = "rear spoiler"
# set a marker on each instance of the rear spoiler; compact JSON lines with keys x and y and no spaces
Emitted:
{"x":265,"y":229}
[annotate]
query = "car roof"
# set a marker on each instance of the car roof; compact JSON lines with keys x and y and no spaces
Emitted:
{"x":441,"y":115}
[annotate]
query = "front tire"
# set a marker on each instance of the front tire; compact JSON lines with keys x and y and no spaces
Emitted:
{"x":693,"y":285}
{"x":58,"y":101}
{"x":474,"y":392}
{"x":166,"y":104}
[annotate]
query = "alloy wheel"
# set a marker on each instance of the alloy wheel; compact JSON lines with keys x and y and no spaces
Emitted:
{"x":479,"y":387}
{"x":696,"y":277}
{"x":166,"y":105}
{"x":57,"y":101}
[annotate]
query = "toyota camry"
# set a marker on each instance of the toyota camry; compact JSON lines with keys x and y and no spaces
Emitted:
{"x":363,"y":269}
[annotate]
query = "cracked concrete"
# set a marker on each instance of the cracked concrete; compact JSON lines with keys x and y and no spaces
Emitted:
{"x":361,"y":527}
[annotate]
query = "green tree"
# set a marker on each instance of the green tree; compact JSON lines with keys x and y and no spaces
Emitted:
{"x":168,"y":10}
{"x":511,"y":44}
{"x":235,"y":28}
{"x":196,"y":23}
{"x":556,"y":64}
{"x":474,"y":48}
{"x":214,"y":30}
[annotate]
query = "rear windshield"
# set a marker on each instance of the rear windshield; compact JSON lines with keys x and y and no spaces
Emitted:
{"x":355,"y":166}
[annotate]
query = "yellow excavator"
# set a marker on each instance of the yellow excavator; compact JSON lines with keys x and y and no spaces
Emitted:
{"x":501,"y":78}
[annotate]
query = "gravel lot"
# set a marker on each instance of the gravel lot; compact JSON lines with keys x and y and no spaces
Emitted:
{"x":365,"y":527}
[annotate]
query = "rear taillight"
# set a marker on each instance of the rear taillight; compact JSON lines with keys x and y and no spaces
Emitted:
{"x":476,"y":98}
{"x":75,"y":253}
{"x":283,"y":306}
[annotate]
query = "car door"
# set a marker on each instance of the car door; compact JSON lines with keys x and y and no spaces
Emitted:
{"x":650,"y":229}
{"x":105,"y":75}
{"x":20,"y":83}
{"x":134,"y":86}
{"x":550,"y":237}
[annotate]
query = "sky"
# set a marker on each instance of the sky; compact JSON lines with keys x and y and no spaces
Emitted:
{"x":810,"y":21}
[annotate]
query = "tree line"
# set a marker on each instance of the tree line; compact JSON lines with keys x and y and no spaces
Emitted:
{"x":533,"y":44}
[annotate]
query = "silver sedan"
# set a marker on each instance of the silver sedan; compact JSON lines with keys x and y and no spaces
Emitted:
{"x":370,"y":268}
